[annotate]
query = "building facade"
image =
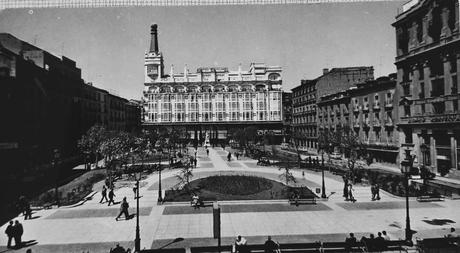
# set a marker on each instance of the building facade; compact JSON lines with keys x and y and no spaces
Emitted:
{"x":211,"y":101}
{"x":287,"y":114}
{"x":304,"y":115}
{"x":370,"y":110}
{"x":428,"y":64}
{"x":45,"y":105}
{"x":308,"y":94}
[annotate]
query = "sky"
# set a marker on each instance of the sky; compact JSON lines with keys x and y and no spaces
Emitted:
{"x":108,"y":44}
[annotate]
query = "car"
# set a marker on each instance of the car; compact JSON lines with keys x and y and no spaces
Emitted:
{"x":336,"y":155}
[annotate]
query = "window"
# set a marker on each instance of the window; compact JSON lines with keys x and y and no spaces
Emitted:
{"x":407,"y":111}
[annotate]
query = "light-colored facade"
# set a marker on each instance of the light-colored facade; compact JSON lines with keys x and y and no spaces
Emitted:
{"x":210,"y":96}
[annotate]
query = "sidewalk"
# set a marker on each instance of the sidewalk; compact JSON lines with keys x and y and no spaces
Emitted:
{"x":92,"y":226}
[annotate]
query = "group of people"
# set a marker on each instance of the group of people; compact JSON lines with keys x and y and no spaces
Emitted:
{"x":25,"y":208}
{"x":124,"y":206}
{"x":241,"y":245}
{"x":120,"y":249}
{"x":348,"y":192}
{"x":14,"y":230}
{"x":372,"y":243}
{"x":104,"y":195}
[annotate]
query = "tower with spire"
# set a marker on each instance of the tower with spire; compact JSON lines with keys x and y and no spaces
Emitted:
{"x":153,"y":67}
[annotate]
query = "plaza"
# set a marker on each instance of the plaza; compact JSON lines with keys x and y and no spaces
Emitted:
{"x":91,"y":226}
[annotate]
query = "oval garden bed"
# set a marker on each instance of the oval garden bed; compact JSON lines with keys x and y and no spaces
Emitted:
{"x":236,"y":187}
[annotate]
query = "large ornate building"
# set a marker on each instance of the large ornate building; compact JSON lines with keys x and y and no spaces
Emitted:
{"x":211,"y":101}
{"x":428,"y":63}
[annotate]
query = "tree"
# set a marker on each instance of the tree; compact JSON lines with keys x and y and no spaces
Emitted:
{"x":184,"y":175}
{"x":287,"y":174}
{"x":91,"y":141}
{"x":297,"y":136}
{"x":352,"y":147}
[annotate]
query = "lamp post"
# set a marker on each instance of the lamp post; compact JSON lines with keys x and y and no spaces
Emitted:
{"x":323,"y":186}
{"x":406,"y":166}
{"x":137,"y":241}
{"x":55,"y":165}
{"x":160,"y":198}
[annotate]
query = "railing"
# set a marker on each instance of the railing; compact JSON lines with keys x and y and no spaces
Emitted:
{"x":366,"y":107}
{"x":376,"y":123}
{"x":389,"y":103}
{"x":376,"y":106}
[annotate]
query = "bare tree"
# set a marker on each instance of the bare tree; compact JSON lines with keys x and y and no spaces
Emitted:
{"x":184,"y":176}
{"x":287,"y":174}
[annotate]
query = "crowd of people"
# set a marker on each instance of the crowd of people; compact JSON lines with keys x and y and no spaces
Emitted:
{"x":372,"y":243}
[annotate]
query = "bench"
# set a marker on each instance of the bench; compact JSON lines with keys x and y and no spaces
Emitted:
{"x":429,"y":198}
{"x":202,"y":203}
{"x":302,"y":201}
{"x":341,"y":247}
{"x":211,"y":249}
{"x":442,"y":244}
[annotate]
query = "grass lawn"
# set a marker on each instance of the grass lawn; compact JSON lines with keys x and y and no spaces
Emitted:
{"x":72,"y":192}
{"x":236,"y":187}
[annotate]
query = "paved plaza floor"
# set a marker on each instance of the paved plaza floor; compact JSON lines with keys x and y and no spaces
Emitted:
{"x":91,"y":226}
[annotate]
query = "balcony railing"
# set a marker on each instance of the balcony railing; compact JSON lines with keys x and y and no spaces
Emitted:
{"x":376,"y":123}
{"x":356,"y":108}
{"x":389,"y":103}
{"x":366,"y":107}
{"x":376,"y":106}
{"x":388,"y":123}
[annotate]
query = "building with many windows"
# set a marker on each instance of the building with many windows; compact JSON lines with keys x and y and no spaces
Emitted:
{"x":370,"y":111}
{"x":46,"y":105}
{"x":304,"y":114}
{"x":211,"y":101}
{"x":428,"y":64}
{"x":306,"y":96}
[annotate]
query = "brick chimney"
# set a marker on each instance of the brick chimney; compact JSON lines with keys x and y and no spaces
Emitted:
{"x":154,"y":38}
{"x":325,"y":71}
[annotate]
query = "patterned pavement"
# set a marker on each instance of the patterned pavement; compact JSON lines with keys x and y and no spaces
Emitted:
{"x":91,"y":226}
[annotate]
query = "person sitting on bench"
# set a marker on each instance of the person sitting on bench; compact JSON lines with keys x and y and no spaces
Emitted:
{"x":196,"y":201}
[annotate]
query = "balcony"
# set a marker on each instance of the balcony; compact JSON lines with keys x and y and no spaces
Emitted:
{"x":356,"y":125}
{"x":376,"y":123}
{"x":389,"y":123}
{"x":366,"y":108}
{"x":356,"y":108}
{"x":389,"y":103}
{"x":376,"y":106}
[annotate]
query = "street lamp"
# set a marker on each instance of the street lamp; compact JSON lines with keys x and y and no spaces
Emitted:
{"x":160,"y":198}
{"x":406,"y":166}
{"x":137,"y":241}
{"x":323,"y":186}
{"x":55,"y":165}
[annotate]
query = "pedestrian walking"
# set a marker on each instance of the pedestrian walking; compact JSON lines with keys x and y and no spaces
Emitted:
{"x":111,"y":195}
{"x":350,"y":193}
{"x":18,"y":230}
{"x":229,"y":156}
{"x":123,"y":209}
{"x":377,"y":192}
{"x":28,"y":214}
{"x":135,"y":191}
{"x":9,"y":233}
{"x":345,"y":187}
{"x":373,"y":192}
{"x":104,"y":194}
{"x":207,"y":151}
